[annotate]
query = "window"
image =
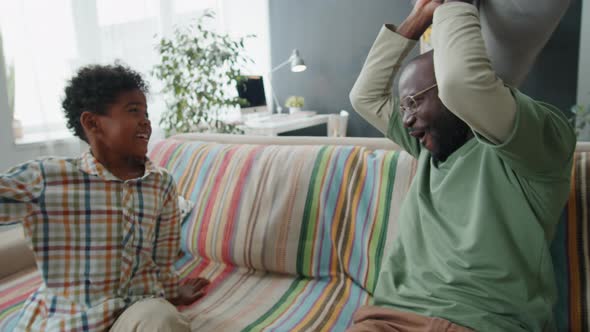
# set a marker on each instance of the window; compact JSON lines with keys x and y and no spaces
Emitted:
{"x":41,"y":62}
{"x":47,"y":41}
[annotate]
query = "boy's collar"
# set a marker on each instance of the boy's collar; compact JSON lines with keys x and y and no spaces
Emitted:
{"x":90,"y":165}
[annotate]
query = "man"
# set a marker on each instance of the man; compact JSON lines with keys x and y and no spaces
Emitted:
{"x":472,"y":250}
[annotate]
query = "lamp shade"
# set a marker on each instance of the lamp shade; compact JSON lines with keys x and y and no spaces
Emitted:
{"x":297,"y":66}
{"x":297,"y":63}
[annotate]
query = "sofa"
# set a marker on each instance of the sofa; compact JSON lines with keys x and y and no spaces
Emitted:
{"x":291,"y":231}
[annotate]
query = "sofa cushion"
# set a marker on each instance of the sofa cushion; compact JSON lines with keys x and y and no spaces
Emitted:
{"x":16,"y":255}
{"x":309,"y":211}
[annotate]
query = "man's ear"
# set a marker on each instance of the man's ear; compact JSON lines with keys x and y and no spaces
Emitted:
{"x":90,"y":123}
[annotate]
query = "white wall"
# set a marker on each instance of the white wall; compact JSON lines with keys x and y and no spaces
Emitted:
{"x":11,"y":154}
{"x":251,"y":18}
{"x":584,"y":68}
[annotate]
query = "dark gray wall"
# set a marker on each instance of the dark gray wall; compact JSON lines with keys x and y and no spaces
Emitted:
{"x":554,"y":77}
{"x":334,"y":37}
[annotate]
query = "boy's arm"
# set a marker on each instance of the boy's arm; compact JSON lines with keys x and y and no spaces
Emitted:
{"x":167,"y":243}
{"x":20,"y":189}
{"x":166,"y":250}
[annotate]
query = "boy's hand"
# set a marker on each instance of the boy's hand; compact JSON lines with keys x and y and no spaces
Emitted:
{"x":190,"y":291}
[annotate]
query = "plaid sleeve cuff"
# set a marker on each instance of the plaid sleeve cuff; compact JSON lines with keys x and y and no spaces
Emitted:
{"x":170,"y":283}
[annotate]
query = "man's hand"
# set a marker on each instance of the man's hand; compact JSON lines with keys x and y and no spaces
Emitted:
{"x":466,"y":1}
{"x":426,"y":8}
{"x":190,"y":291}
{"x":419,"y":19}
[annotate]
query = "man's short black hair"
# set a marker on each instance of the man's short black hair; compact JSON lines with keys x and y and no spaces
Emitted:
{"x":93,"y":88}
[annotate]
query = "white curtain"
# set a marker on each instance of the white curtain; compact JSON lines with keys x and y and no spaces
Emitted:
{"x":47,"y":41}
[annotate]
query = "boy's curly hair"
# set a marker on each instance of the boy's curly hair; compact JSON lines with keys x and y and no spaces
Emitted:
{"x":93,"y":88}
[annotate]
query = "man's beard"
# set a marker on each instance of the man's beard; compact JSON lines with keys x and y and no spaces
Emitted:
{"x":448,"y":133}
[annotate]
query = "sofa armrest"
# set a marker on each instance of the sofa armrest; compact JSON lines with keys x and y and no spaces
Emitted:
{"x":15,"y":254}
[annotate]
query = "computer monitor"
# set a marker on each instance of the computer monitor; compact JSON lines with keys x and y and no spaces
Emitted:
{"x":252,"y":89}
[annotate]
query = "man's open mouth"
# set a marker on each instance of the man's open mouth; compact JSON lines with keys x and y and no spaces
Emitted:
{"x":419,"y":134}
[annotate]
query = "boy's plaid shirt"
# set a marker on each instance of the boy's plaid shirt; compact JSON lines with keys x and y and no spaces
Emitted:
{"x":100,"y":243}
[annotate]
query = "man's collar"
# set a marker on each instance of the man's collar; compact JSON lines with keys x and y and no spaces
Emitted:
{"x":90,"y":165}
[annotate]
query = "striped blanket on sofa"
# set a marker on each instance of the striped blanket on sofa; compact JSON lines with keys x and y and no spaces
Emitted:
{"x":292,"y":236}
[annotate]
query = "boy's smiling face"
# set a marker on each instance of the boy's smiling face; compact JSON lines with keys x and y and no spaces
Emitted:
{"x":124,"y":131}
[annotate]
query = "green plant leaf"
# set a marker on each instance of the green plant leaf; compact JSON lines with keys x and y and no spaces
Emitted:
{"x":198,"y":66}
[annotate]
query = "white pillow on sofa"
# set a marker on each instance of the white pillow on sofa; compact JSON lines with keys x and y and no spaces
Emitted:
{"x":185,"y":207}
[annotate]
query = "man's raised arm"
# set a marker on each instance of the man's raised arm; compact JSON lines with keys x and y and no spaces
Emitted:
{"x":467,"y":83}
{"x":371,"y":95}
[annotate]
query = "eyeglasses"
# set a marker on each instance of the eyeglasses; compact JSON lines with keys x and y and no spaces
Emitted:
{"x":409,"y":105}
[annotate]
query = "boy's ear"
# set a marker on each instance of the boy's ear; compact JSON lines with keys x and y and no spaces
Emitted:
{"x":90,"y":122}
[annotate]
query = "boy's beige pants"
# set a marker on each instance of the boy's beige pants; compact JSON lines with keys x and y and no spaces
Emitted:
{"x":151,"y":315}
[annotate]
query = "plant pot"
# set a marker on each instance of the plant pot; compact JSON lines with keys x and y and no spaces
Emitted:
{"x":294,"y":110}
{"x":17,"y":129}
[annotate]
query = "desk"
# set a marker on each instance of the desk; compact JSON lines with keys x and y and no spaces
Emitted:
{"x":280,"y":123}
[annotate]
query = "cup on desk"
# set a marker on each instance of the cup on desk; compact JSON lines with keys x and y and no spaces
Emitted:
{"x":337,"y":124}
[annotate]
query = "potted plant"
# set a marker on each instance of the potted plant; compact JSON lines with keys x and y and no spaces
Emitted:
{"x":295,"y":104}
{"x":581,"y":121}
{"x":199,"y":69}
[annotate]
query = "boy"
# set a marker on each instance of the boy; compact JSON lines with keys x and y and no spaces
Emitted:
{"x":105,"y":226}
